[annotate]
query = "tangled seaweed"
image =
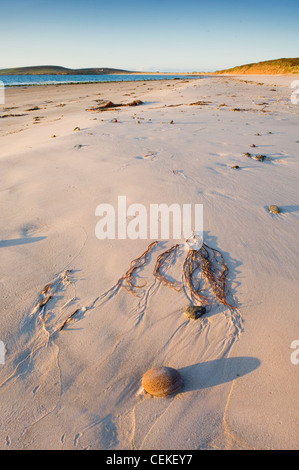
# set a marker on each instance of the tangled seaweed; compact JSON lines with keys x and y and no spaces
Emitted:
{"x":210,"y":263}
{"x":202,"y":267}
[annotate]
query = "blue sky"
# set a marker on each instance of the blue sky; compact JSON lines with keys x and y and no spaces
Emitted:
{"x":164,"y":35}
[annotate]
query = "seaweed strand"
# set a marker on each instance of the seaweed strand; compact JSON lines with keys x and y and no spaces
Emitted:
{"x":161,"y":259}
{"x":135,"y":264}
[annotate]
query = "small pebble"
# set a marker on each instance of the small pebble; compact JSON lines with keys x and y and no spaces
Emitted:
{"x":274,"y":209}
{"x":114,"y":120}
{"x":252,"y":145}
{"x":171,"y":122}
{"x":52,"y":136}
{"x":235,"y":167}
{"x":77,"y":129}
{"x":194,"y":312}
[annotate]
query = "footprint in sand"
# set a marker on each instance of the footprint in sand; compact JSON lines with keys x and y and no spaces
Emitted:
{"x":79,"y":146}
{"x":33,"y":229}
{"x":76,"y":439}
{"x":149,"y":155}
{"x":179,"y":173}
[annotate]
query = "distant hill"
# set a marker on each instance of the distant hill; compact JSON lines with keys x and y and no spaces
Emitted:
{"x":268,"y":67}
{"x":55,"y":70}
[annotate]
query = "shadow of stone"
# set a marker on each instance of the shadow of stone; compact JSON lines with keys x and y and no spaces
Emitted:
{"x":288,"y":209}
{"x":20,"y":241}
{"x":212,"y":373}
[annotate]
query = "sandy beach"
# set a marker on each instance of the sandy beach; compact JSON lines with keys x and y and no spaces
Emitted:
{"x":76,"y":343}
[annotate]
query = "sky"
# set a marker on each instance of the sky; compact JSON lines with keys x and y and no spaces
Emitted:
{"x":147,"y":35}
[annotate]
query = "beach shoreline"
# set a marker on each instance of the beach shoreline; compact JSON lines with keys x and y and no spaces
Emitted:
{"x":179,"y":76}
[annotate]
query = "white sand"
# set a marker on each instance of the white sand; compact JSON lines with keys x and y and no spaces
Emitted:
{"x":79,"y":388}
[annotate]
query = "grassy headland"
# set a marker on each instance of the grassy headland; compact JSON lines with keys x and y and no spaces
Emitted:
{"x":55,"y":70}
{"x":268,"y":67}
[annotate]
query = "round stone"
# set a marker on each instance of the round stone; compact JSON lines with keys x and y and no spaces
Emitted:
{"x":161,"y":381}
{"x":274,"y":209}
{"x":194,"y":312}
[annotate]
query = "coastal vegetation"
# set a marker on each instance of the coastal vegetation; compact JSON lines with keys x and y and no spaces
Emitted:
{"x":268,"y":67}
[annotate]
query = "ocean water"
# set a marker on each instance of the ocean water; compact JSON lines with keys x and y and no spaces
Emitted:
{"x":17,"y":80}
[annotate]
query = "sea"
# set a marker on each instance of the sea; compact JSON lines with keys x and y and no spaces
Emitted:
{"x":21,"y":80}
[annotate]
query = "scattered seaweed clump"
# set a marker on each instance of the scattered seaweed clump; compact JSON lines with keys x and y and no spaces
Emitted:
{"x":200,"y":103}
{"x":238,"y":110}
{"x":106,"y":105}
{"x":259,"y":158}
{"x":11,"y":115}
{"x":34,"y":108}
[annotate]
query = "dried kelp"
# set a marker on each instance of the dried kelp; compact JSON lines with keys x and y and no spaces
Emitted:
{"x":68,"y":319}
{"x":49,"y":290}
{"x":127,"y":281}
{"x":210,"y":263}
{"x":166,"y":256}
{"x":106,"y":105}
{"x":190,"y":268}
{"x":202,"y":268}
{"x":200,"y":103}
